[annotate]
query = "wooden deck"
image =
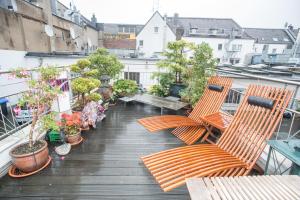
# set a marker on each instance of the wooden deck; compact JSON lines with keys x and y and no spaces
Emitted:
{"x":106,"y":166}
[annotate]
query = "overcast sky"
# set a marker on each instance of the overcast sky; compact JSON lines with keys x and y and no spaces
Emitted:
{"x":248,"y":13}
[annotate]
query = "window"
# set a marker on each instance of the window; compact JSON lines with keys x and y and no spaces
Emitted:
{"x":274,"y":50}
{"x":141,"y":43}
{"x":234,"y":60}
{"x":239,"y":47}
{"x":289,"y":46}
{"x":135,"y":76}
{"x":156,"y":29}
{"x":265,"y":47}
{"x":220,"y":47}
{"x":132,"y":30}
{"x":262,"y":38}
{"x":286,"y":39}
{"x":121,"y":29}
{"x":127,"y":29}
{"x":236,"y":47}
{"x":275,"y":39}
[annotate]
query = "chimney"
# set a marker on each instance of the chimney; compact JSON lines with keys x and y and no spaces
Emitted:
{"x":291,"y":27}
{"x":94,"y":19}
{"x":175,"y":19}
{"x":165,"y":17}
{"x":179,"y":33}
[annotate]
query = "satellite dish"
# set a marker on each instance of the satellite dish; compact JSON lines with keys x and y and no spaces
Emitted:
{"x":49,"y":31}
{"x":89,"y":42}
{"x":72,"y":33}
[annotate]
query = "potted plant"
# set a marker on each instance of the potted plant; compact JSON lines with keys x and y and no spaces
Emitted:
{"x":86,"y":83}
{"x":125,"y":87}
{"x":176,"y":63}
{"x":202,"y":66}
{"x":33,"y":154}
{"x":70,"y":125}
{"x":108,"y":67}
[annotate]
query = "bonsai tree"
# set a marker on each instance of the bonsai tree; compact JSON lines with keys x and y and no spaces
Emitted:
{"x":202,"y":66}
{"x":105,"y":63}
{"x":86,"y":82}
{"x":175,"y":64}
{"x":176,"y":61}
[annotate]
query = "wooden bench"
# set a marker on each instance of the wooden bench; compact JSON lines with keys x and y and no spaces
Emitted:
{"x":245,"y":187}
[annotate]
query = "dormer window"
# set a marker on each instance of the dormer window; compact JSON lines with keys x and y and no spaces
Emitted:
{"x":286,"y":39}
{"x":193,"y":30}
{"x":275,"y":39}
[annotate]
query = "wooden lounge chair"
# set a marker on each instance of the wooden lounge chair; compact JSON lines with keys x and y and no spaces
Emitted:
{"x":190,"y":129}
{"x":237,"y":150}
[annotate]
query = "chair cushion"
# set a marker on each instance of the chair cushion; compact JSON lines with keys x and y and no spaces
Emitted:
{"x":217,"y":88}
{"x":259,"y":101}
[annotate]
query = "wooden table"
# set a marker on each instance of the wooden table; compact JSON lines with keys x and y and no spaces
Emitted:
{"x":219,"y":120}
{"x":245,"y":188}
{"x":159,"y":102}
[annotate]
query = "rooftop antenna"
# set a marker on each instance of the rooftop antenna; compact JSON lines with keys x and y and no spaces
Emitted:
{"x":155,"y":6}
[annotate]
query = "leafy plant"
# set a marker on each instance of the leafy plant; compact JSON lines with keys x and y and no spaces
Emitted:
{"x":105,"y":63}
{"x":202,"y":67}
{"x":49,"y":122}
{"x":164,"y":82}
{"x":70,"y":123}
{"x":87,"y":82}
{"x":177,"y":60}
{"x":158,"y":90}
{"x":125,"y":87}
{"x":39,"y":97}
{"x":94,"y":97}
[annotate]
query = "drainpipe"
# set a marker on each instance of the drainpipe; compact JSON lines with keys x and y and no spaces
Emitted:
{"x":47,"y":10}
{"x":165,"y":34}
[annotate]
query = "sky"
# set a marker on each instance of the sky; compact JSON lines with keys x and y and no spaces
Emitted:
{"x":247,"y":13}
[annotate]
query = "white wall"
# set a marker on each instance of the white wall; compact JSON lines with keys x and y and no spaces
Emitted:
{"x":258,"y":48}
{"x":154,"y":42}
{"x":247,"y":46}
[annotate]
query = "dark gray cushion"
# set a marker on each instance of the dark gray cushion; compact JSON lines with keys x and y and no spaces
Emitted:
{"x":217,"y":88}
{"x":259,"y":101}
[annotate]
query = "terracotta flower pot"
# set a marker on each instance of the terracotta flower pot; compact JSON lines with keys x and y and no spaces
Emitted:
{"x":31,"y":161}
{"x":73,"y":138}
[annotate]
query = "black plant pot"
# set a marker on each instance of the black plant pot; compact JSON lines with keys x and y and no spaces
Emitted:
{"x":175,"y":89}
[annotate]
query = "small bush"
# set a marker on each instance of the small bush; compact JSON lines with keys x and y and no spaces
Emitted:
{"x":125,"y":87}
{"x":159,"y":90}
{"x":94,"y":97}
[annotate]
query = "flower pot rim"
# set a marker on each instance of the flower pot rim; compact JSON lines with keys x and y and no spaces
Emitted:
{"x":79,"y":132}
{"x":27,"y":154}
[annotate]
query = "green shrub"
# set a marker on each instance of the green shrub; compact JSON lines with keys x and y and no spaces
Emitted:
{"x":94,"y":97}
{"x":159,"y":90}
{"x":125,"y":87}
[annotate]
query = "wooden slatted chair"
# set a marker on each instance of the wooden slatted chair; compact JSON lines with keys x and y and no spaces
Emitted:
{"x":190,"y":129}
{"x":237,"y":150}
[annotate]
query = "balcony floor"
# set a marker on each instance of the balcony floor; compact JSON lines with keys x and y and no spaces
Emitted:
{"x":105,"y":166}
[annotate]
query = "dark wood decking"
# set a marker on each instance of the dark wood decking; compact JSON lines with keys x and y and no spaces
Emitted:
{"x":106,"y":166}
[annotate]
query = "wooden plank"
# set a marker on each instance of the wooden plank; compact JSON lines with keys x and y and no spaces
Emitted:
{"x":197,"y":189}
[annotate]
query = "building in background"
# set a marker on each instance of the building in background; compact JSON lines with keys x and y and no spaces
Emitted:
{"x":152,"y":40}
{"x":120,"y":39}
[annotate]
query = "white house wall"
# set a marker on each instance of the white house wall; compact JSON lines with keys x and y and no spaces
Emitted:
{"x":258,"y":48}
{"x":247,"y":46}
{"x":154,"y":42}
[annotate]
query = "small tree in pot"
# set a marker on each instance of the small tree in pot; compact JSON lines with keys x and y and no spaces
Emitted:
{"x":176,"y":63}
{"x":202,"y":67}
{"x":108,"y":66}
{"x":86,"y":83}
{"x":32,"y":155}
